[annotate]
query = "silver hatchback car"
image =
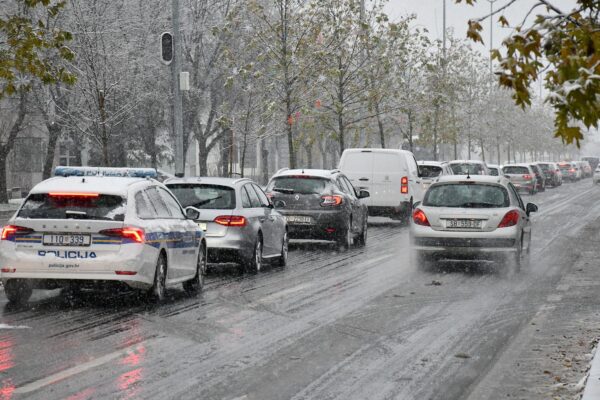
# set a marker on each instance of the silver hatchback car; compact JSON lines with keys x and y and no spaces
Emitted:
{"x":476,"y":217}
{"x":240,"y":222}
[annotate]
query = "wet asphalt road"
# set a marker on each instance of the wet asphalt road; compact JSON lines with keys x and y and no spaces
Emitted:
{"x":359,"y":324}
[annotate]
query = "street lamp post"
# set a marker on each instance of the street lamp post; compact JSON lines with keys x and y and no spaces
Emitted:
{"x":491,"y":32}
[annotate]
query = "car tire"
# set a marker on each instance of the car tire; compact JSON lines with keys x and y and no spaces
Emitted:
{"x":345,"y":239}
{"x":254,"y":263}
{"x":18,"y":291}
{"x":157,"y":292}
{"x":361,"y":241}
{"x":196,"y":284}
{"x":283,"y":258}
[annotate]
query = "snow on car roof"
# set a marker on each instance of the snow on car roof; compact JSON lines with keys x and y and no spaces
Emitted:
{"x":432,"y":163}
{"x":321,"y":173}
{"x":473,"y":178}
{"x":467,"y":162}
{"x":89,"y":184}
{"x":367,"y":150}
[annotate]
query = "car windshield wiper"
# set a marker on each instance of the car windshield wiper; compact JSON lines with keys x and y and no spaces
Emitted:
{"x":203,"y":202}
{"x":284,"y":190}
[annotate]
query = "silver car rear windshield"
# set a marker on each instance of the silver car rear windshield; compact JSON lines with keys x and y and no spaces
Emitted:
{"x":73,"y":206}
{"x":467,"y":169}
{"x":516,"y":170}
{"x":466,"y":195}
{"x":210,"y":197}
{"x":300,"y":184}
{"x":429,"y":171}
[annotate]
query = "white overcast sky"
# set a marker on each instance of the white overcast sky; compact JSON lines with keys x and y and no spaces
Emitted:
{"x":429,"y":14}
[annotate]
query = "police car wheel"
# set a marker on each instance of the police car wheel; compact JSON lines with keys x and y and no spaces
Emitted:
{"x":158,"y":289}
{"x":196,"y":284}
{"x":17,"y":291}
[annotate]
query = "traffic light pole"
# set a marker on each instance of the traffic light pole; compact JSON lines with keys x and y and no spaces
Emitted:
{"x":177,"y":103}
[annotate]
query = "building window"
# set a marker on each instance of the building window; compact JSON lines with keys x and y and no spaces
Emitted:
{"x":28,"y":154}
{"x":66,"y":154}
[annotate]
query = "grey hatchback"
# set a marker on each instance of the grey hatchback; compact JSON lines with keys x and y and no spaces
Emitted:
{"x":240,"y":222}
{"x":320,"y":204}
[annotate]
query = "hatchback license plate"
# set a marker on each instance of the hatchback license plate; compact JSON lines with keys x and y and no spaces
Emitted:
{"x":464,"y":223}
{"x":67,"y":240}
{"x":298,"y":219}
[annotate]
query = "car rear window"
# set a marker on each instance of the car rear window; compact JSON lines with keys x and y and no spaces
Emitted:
{"x":466,"y":195}
{"x":299,"y":184}
{"x":467,"y":169}
{"x":493,"y":171}
{"x":429,"y":171}
{"x":50,"y":206}
{"x":516,"y":170}
{"x":545,"y":167}
{"x":202,"y":196}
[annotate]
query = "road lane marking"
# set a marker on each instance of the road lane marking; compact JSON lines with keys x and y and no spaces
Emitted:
{"x":67,"y":373}
{"x":6,"y":326}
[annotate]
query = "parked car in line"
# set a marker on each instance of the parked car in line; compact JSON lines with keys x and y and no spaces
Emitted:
{"x":480,"y":217}
{"x":594,"y":162}
{"x":522,"y":176}
{"x":320,"y":204}
{"x":431,"y":170}
{"x":90,"y":228}
{"x":494,"y":170}
{"x":391,"y":176}
{"x":551,"y":172}
{"x":540,"y":178}
{"x":569,"y":171}
{"x":468,"y":167}
{"x":239,"y":220}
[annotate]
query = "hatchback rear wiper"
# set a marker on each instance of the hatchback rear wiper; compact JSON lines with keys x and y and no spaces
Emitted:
{"x":203,"y":202}
{"x":284,"y":190}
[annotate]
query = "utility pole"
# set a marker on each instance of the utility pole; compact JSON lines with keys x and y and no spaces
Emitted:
{"x":177,"y":103}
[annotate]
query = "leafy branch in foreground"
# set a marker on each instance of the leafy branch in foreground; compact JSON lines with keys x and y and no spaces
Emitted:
{"x":30,"y":48}
{"x":567,"y":46}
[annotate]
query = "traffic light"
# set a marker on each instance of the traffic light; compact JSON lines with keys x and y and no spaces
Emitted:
{"x":166,"y":47}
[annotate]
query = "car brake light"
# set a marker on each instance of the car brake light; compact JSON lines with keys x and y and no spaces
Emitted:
{"x":8,"y":270}
{"x":231,"y":220}
{"x":125,"y":272}
{"x":331,"y":201}
{"x":135,"y":234}
{"x":72,"y":194}
{"x":510,"y":219}
{"x":420,"y":218}
{"x":527,"y":177}
{"x":9,"y":231}
{"x":404,"y":185}
{"x":572,"y":170}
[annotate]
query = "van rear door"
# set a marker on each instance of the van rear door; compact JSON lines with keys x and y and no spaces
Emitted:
{"x":358,"y":167}
{"x":388,"y":170}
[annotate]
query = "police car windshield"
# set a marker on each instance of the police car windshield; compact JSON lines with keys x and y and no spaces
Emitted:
{"x":210,"y":197}
{"x":46,"y":206}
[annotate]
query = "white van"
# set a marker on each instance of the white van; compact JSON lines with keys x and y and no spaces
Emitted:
{"x":391,"y":177}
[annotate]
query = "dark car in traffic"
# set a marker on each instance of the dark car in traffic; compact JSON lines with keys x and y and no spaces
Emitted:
{"x":540,"y":178}
{"x":321,"y":205}
{"x":551,"y":172}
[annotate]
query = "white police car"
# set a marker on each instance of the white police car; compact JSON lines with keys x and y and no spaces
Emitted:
{"x":90,"y":227}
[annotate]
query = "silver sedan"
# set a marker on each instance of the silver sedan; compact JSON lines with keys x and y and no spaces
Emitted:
{"x":240,"y":222}
{"x":468,"y":218}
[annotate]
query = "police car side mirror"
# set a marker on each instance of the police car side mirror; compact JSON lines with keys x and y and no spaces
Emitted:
{"x":192,"y":213}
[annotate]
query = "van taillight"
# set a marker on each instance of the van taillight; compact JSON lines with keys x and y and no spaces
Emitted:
{"x":404,"y":185}
{"x":134,"y":234}
{"x":10,"y":231}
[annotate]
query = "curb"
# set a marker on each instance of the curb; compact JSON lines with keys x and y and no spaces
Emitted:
{"x":592,"y":384}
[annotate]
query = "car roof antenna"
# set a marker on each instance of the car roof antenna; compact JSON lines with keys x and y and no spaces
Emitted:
{"x":468,"y":174}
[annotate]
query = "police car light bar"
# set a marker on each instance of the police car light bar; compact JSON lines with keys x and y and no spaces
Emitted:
{"x":105,"y":171}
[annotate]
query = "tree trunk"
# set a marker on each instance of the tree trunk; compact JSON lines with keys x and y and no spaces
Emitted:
{"x":410,"y":131}
{"x":380,"y":126}
{"x":3,"y":189}
{"x":264,"y":153}
{"x":482,"y":149}
{"x":435,"y":132}
{"x":53,"y":135}
{"x":309,"y":155}
{"x":341,"y":132}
